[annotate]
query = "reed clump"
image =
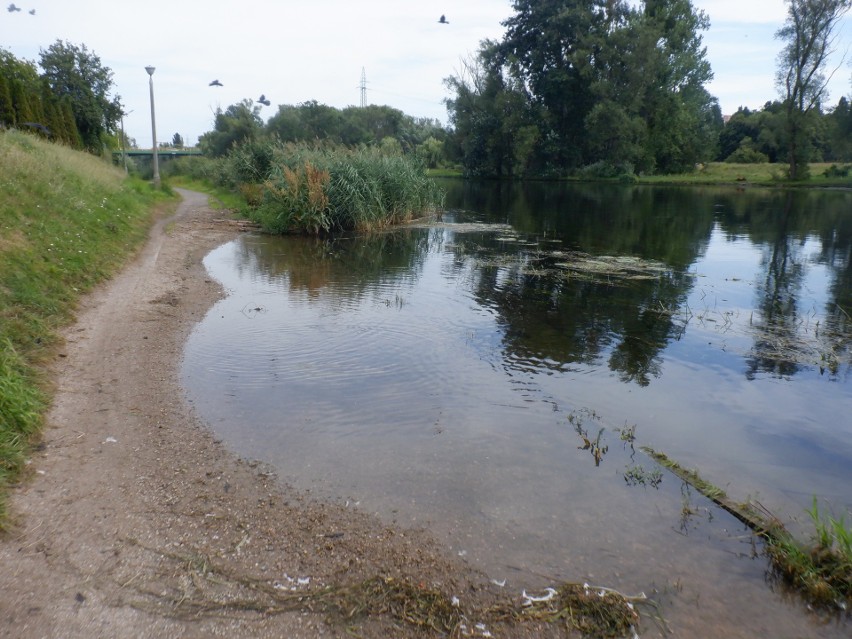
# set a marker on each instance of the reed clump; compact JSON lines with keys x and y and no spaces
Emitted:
{"x":294,"y":188}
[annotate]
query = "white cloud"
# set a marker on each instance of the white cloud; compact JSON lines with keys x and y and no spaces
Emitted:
{"x":744,"y":11}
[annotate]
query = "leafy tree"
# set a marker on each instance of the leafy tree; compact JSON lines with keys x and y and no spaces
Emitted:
{"x":839,"y":132}
{"x":286,"y":124}
{"x":589,"y":81}
{"x":7,"y":107}
{"x":740,"y":125}
{"x":771,"y":138}
{"x":809,"y":36}
{"x":431,"y":151}
{"x":372,"y":125}
{"x":681,"y":116}
{"x":24,"y":103}
{"x":615,"y":135}
{"x":321,"y":121}
{"x":22,"y":87}
{"x":239,"y":123}
{"x":746,"y":153}
{"x":551,"y":46}
{"x":491,"y":114}
{"x":177,"y":141}
{"x":78,"y":74}
{"x":52,"y":114}
{"x":72,"y":135}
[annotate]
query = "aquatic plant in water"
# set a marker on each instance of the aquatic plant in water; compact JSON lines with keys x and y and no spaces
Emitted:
{"x":299,"y":189}
{"x":821,"y":572}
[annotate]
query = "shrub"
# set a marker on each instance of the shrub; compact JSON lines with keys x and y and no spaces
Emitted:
{"x":295,"y":188}
{"x":606,"y":170}
{"x":747,"y":154}
{"x":835,"y":171}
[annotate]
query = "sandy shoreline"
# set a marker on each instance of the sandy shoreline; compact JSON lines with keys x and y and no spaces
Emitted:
{"x":133,"y":511}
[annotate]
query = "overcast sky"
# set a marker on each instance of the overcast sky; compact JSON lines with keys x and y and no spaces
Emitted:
{"x":293,"y":52}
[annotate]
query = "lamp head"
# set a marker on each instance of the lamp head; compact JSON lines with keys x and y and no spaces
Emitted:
{"x":150,"y":70}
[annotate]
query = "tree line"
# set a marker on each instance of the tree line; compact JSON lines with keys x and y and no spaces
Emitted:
{"x":597,"y":88}
{"x":382,"y":126}
{"x":68,"y":101}
{"x":612,"y":87}
{"x":753,"y":136}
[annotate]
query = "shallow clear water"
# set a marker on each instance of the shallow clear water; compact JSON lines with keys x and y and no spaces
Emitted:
{"x":451,"y":375}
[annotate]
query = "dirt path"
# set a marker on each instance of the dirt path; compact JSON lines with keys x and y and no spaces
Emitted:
{"x":136,"y":523}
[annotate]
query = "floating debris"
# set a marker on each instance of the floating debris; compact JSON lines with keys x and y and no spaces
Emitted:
{"x":622,"y":267}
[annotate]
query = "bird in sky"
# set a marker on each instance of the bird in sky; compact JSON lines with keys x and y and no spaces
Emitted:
{"x":215,"y":83}
{"x":262,"y":99}
{"x":443,"y":19}
{"x":11,"y":8}
{"x":32,"y":12}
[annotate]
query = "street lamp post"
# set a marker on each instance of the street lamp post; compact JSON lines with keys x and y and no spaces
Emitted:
{"x":154,"y":158}
{"x":124,"y":139}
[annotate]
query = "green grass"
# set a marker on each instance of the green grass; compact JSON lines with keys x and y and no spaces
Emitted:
{"x":68,"y":220}
{"x":756,"y":174}
{"x":821,"y":570}
{"x":220,"y":198}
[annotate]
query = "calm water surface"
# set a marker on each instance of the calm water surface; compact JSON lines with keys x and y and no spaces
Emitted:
{"x":481,"y":375}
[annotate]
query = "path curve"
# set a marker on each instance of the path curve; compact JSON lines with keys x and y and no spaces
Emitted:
{"x":130,"y":495}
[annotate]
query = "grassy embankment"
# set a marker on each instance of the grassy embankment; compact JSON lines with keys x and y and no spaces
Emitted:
{"x":67,"y":222}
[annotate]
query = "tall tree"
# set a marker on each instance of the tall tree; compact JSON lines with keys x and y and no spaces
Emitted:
{"x":552,"y":47}
{"x":239,"y":123}
{"x":7,"y":107}
{"x":809,"y":34}
{"x":22,"y":86}
{"x":681,"y":116}
{"x":840,"y":132}
{"x":608,"y":81}
{"x":78,"y":73}
{"x":492,"y":117}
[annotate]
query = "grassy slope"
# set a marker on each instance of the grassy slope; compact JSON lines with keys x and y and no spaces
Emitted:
{"x":67,"y":222}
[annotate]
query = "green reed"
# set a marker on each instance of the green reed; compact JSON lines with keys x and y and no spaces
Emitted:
{"x":300,"y":189}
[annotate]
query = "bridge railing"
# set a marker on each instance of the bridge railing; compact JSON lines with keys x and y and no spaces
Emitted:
{"x":160,"y":152}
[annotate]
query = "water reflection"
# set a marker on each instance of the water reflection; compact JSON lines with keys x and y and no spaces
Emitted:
{"x":800,"y":317}
{"x":477,"y":375}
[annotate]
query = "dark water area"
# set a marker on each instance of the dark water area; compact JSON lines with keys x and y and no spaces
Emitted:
{"x":492,"y":376}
